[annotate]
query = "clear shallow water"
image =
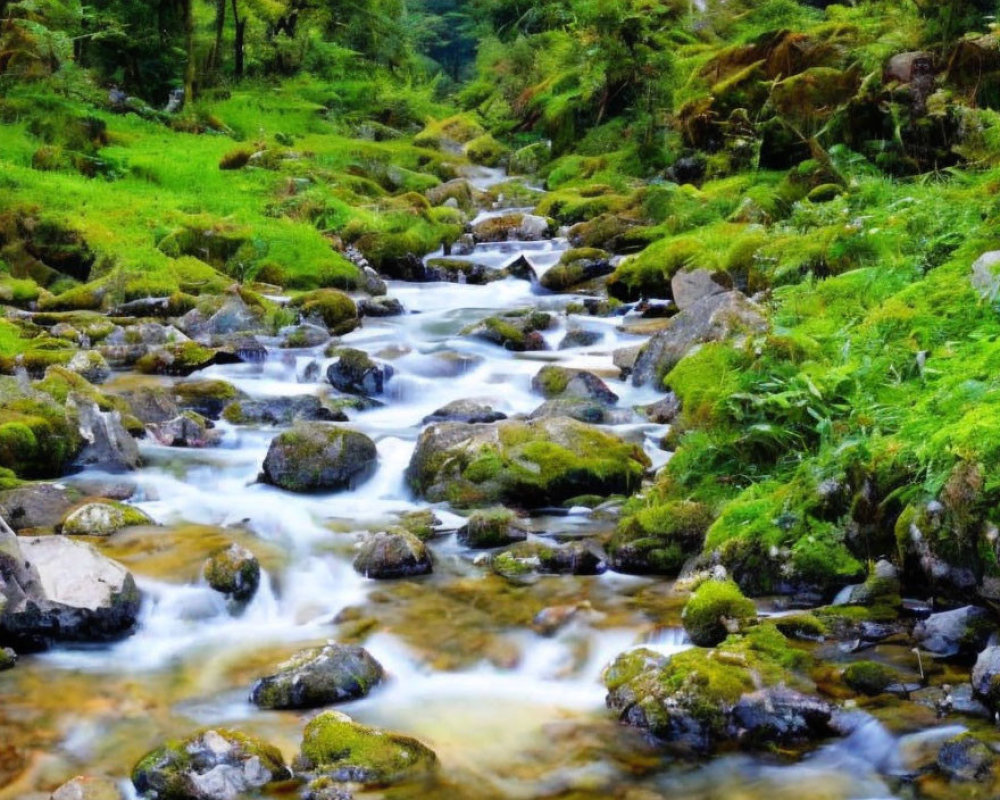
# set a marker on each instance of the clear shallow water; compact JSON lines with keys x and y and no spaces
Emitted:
{"x":511,"y":713}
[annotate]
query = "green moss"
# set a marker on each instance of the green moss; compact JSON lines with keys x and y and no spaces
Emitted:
{"x":335,"y":745}
{"x":869,"y":677}
{"x":37,"y":437}
{"x":659,"y":538}
{"x":485,"y":150}
{"x":336,"y":309}
{"x":712,"y":608}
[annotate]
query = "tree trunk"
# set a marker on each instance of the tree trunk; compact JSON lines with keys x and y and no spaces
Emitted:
{"x":190,"y":69}
{"x":220,"y":26}
{"x":241,"y":25}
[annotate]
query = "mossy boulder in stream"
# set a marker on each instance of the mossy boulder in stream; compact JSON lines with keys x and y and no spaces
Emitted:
{"x":392,"y":554}
{"x":233,"y":571}
{"x":213,"y":765}
{"x":315,"y":456}
{"x":338,"y":748}
{"x":519,"y":331}
{"x":335,"y":309}
{"x":575,"y":267}
{"x":494,"y":527}
{"x":750,"y":690}
{"x":102,"y":518}
{"x":715,"y":610}
{"x":322,"y":676}
{"x":553,"y":381}
{"x":529,"y":464}
{"x":355,"y":372}
{"x":869,"y":677}
{"x":658,"y":539}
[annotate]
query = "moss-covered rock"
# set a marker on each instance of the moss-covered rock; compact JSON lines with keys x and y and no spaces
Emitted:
{"x":517,"y":330}
{"x":701,"y":700}
{"x":181,"y":359}
{"x":234,"y":571}
{"x":528,"y":464}
{"x":529,"y":159}
{"x":335,"y":746}
{"x":869,"y":677}
{"x":537,"y":557}
{"x":492,"y":527}
{"x":207,"y":397}
{"x":318,"y":677}
{"x":336,"y":310}
{"x":102,"y":518}
{"x":576,"y":267}
{"x":553,"y":381}
{"x":38,"y":437}
{"x":485,"y":150}
{"x":315,"y":456}
{"x":355,"y":372}
{"x":392,"y":554}
{"x":715,"y":610}
{"x":658,"y":539}
{"x":213,"y":765}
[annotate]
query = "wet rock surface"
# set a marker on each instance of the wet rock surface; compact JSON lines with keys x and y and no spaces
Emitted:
{"x":331,"y":674}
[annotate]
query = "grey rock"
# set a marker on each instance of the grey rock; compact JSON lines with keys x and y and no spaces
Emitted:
{"x":234,"y":572}
{"x":580,"y":338}
{"x":152,"y":404}
{"x":964,"y":631}
{"x":90,"y":365}
{"x":468,"y":411}
{"x":986,"y":276}
{"x":282,"y":411}
{"x":185,"y":430}
{"x":64,"y":590}
{"x":322,"y":676}
{"x":36,"y":505}
{"x":107,"y":445}
{"x":714,"y":318}
{"x":780,"y":715}
{"x":966,"y":758}
{"x":214,"y":765}
{"x":316,"y":456}
{"x":380,"y":307}
{"x":355,"y":372}
{"x":690,"y":286}
{"x":553,"y":381}
{"x":985,"y":677}
{"x":86,"y":788}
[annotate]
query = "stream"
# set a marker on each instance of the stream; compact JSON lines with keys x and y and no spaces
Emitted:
{"x":511,"y":713}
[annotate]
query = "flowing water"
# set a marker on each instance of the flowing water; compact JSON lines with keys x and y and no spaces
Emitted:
{"x":511,"y":713}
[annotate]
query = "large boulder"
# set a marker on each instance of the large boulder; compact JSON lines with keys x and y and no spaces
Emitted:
{"x":529,"y":464}
{"x":961,"y":632}
{"x":338,"y":748}
{"x":322,"y":676}
{"x":513,"y":226}
{"x":535,"y":557}
{"x":713,"y":318}
{"x":213,"y":765}
{"x":392,"y":554}
{"x":60,"y":589}
{"x":316,"y":456}
{"x":354,"y":372}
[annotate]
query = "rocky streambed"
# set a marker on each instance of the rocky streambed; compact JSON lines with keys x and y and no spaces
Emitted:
{"x":327,"y":546}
